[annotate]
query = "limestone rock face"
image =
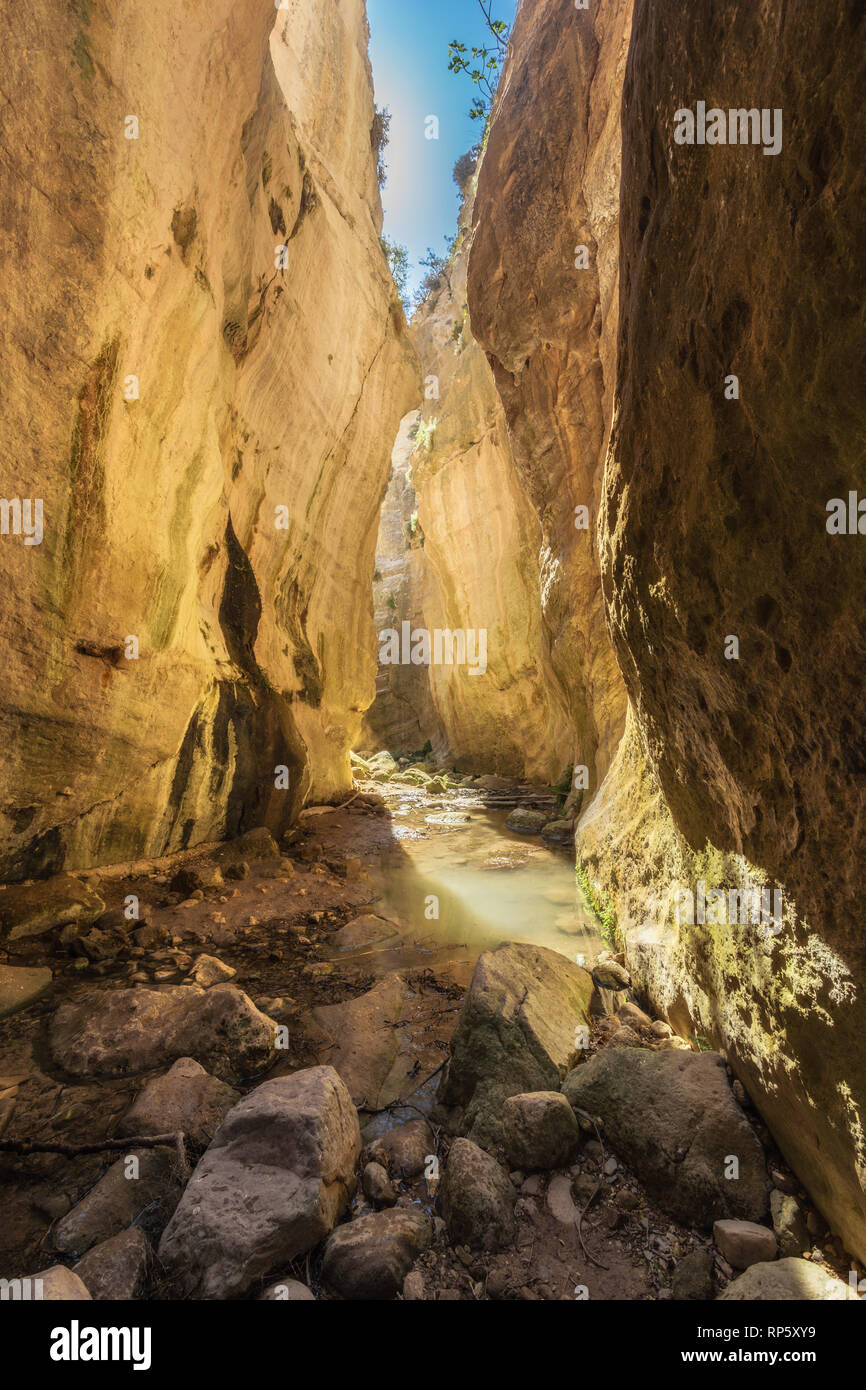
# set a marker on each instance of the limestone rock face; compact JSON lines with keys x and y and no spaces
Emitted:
{"x":169,"y":387}
{"x":714,"y":525}
{"x":548,"y":185}
{"x":402,"y":716}
{"x":481,"y":541}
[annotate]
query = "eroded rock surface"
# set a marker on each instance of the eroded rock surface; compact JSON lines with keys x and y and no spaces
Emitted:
{"x":272,"y":1184}
{"x":130,"y":1030}
{"x":189,"y":385}
{"x":516,"y":1033}
{"x":673,"y":1117}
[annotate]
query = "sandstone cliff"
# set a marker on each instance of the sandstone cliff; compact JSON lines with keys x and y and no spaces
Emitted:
{"x":714,"y":526}
{"x":481,"y":542}
{"x":711,"y":512}
{"x":548,"y":185}
{"x":143,"y":203}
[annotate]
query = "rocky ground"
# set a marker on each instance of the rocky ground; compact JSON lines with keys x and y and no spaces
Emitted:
{"x":520,"y":1130}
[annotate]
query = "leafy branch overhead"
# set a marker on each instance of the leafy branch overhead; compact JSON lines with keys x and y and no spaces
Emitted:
{"x":481,"y":63}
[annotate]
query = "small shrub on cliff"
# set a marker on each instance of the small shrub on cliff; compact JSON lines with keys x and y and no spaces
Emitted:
{"x":397,"y":257}
{"x":424,"y":434}
{"x":465,"y":167}
{"x":380,"y":133}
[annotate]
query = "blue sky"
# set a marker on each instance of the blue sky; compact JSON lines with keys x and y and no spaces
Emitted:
{"x":409,"y":52}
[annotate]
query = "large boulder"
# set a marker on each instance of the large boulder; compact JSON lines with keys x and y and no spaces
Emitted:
{"x":369,"y":1258}
{"x":58,"y":1285}
{"x":187,"y":1099}
{"x":788,"y":1280}
{"x":673,"y":1117}
{"x":274,"y":1181}
{"x":131,"y":1030}
{"x":516,"y":1033}
{"x":476,"y":1198}
{"x":539,"y":1130}
{"x":31,"y":909}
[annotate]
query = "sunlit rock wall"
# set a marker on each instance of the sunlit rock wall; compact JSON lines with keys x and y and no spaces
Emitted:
{"x":260,"y":387}
{"x":548,"y":185}
{"x":481,"y":543}
{"x":402,"y":718}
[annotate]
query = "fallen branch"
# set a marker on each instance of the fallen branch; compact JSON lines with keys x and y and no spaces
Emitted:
{"x":593,"y":1194}
{"x":25,"y":1147}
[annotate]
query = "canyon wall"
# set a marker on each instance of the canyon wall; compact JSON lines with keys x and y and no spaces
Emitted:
{"x":481,"y":542}
{"x":207,"y":421}
{"x":542,"y":299}
{"x":710,"y":510}
{"x":403,"y":717}
{"x":714,"y":527}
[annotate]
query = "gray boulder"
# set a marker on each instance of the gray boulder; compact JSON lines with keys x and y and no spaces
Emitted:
{"x":539,"y":1130}
{"x":527,"y":821}
{"x":117,"y":1269}
{"x":789,"y":1223}
{"x":20,"y":985}
{"x":516,"y":1033}
{"x":476,"y":1198}
{"x":274,"y":1181}
{"x":673,"y":1118}
{"x":405,"y":1149}
{"x":745,"y":1243}
{"x":369,"y":1258}
{"x":111,"y":1033}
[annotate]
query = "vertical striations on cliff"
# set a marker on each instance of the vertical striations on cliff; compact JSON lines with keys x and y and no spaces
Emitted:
{"x":204,"y":369}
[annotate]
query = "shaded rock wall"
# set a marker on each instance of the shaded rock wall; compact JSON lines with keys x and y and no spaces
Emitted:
{"x":711,"y":512}
{"x":715,"y":526}
{"x":259,"y":387}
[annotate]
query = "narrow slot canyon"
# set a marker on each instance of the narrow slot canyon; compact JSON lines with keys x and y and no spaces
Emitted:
{"x":435,"y":775}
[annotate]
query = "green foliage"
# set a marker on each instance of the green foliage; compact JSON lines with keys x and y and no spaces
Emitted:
{"x":481,"y":63}
{"x":435,"y":266}
{"x":397,"y":257}
{"x":601,"y":906}
{"x":465,"y":167}
{"x":424,"y":435}
{"x":390,"y":601}
{"x":380,"y":133}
